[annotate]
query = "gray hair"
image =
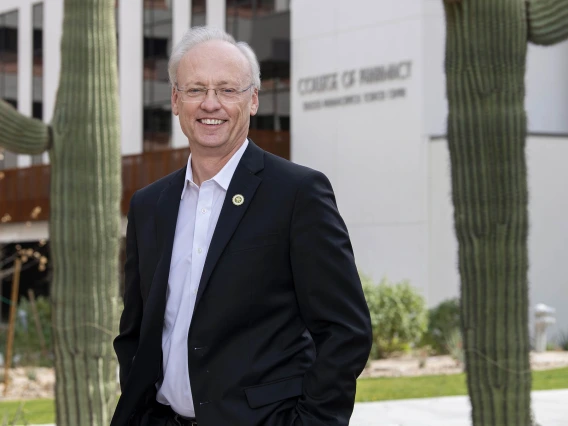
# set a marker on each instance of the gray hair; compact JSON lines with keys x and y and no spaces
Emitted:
{"x":198,"y":35}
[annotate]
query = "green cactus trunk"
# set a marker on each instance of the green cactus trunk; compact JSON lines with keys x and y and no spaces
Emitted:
{"x":85,"y":215}
{"x":485,"y":66}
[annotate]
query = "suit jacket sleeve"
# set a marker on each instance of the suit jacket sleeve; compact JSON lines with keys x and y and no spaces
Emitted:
{"x":126,"y":344}
{"x":331,"y":303}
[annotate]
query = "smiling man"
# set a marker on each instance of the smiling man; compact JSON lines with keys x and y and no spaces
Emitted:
{"x":242,"y":301}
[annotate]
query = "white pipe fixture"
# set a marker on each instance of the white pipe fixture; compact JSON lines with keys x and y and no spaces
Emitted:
{"x":544,"y":318}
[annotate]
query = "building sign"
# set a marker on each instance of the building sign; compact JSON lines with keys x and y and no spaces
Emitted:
{"x":349,"y":79}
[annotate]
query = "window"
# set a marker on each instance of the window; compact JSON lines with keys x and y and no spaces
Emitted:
{"x":37,"y":85}
{"x":265,"y":26}
{"x":198,"y":11}
{"x":9,"y":73}
{"x":157,"y":46}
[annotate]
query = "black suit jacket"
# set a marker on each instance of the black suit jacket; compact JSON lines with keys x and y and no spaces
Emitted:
{"x":280,"y":329}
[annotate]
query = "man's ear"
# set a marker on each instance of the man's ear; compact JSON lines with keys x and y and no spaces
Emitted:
{"x":254,"y":104}
{"x":174,"y":101}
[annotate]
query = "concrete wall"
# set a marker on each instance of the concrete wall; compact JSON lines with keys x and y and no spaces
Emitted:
{"x":372,"y":149}
{"x":20,"y":232}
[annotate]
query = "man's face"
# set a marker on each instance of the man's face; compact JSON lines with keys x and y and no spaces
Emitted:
{"x":214,"y":64}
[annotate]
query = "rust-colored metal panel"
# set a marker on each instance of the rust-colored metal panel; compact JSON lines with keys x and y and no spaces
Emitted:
{"x":24,"y":192}
{"x":277,"y":143}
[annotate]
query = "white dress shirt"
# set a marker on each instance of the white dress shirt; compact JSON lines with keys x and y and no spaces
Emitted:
{"x":198,"y":213}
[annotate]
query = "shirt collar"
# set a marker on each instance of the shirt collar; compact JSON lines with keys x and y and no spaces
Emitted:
{"x":224,"y":176}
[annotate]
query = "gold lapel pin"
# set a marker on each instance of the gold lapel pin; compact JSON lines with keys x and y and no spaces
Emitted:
{"x":238,"y":200}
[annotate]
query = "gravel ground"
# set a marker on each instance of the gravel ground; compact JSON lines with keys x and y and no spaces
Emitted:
{"x":35,"y":382}
{"x":410,"y":366}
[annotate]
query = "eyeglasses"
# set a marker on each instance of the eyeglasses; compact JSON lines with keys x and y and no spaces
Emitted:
{"x":226,"y":95}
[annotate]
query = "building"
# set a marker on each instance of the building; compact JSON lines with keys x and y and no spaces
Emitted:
{"x":356,"y":87}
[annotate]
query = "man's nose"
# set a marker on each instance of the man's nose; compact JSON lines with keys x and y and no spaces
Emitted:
{"x":211,"y":101}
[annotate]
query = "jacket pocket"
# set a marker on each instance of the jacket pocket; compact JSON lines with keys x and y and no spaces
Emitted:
{"x":267,"y":393}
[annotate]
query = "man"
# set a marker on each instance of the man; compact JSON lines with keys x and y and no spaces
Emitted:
{"x":242,"y":302}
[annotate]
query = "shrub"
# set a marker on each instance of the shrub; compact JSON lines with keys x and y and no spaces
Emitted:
{"x":27,"y":348}
{"x":563,"y":340}
{"x":442,"y":321}
{"x":398,"y":316}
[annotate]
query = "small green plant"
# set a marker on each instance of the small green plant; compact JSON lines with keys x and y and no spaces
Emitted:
{"x":442,"y":320}
{"x":398,"y":316}
{"x":563,"y":340}
{"x":551,"y":346}
{"x":26,"y":337}
{"x":423,"y":353}
{"x":454,"y":343}
{"x":32,"y":374}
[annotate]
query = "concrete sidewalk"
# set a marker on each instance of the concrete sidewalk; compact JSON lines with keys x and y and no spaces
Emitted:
{"x":550,"y":409}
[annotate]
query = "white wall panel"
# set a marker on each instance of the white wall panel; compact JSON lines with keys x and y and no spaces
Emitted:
{"x":130,"y":75}
{"x":20,"y":232}
{"x":314,"y":18}
{"x":355,"y":14}
{"x":216,"y":13}
{"x":181,"y":16}
{"x":365,"y":129}
{"x":396,"y":253}
{"x":25,"y":70}
{"x":547,"y":88}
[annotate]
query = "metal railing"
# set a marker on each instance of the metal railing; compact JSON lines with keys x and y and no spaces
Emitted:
{"x":24,"y":192}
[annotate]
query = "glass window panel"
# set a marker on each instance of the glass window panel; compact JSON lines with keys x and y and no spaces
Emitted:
{"x":9,"y":72}
{"x":265,"y":26}
{"x":37,"y":85}
{"x":157,"y":46}
{"x":198,"y":12}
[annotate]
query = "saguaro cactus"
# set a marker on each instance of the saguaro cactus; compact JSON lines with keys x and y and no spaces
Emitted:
{"x":486,"y":51}
{"x":85,"y":218}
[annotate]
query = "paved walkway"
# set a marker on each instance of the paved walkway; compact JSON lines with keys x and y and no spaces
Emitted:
{"x":550,"y":408}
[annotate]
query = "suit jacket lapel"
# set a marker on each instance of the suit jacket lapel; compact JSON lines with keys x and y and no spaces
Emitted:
{"x":244,"y":182}
{"x":166,"y":219}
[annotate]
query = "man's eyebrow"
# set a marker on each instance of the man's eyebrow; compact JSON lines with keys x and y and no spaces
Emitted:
{"x":217,"y":83}
{"x":194,"y":83}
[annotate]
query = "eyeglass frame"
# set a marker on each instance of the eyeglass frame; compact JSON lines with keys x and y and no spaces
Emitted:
{"x":207,"y":92}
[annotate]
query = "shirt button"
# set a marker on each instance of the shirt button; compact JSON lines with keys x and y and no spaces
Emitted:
{"x":194,"y":292}
{"x":203,"y":211}
{"x":199,"y":250}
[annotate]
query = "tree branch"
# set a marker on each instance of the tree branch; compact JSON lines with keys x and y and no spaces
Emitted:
{"x":548,"y":21}
{"x":7,"y":272}
{"x":21,"y":134}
